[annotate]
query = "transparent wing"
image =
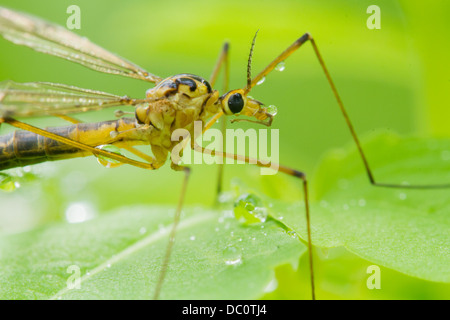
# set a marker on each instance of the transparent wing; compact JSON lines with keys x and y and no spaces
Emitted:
{"x":44,"y":98}
{"x":55,"y":40}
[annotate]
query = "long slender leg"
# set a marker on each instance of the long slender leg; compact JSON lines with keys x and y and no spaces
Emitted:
{"x":287,"y":170}
{"x":140,"y":154}
{"x":283,"y":56}
{"x":79,"y":145}
{"x":176,"y":220}
{"x":220,"y":169}
{"x":223,"y":59}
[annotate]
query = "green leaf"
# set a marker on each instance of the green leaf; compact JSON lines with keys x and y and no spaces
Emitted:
{"x":405,"y":230}
{"x":119,"y":256}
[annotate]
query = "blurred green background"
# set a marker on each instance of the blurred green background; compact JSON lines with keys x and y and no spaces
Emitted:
{"x":393,"y":79}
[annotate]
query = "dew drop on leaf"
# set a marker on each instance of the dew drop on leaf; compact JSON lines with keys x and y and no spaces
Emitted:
{"x":232,"y":256}
{"x":292,"y":234}
{"x":249,"y":209}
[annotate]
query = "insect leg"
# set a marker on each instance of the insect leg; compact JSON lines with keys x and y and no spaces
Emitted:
{"x":79,"y":145}
{"x":223,"y":128}
{"x":353,"y":133}
{"x":140,"y":154}
{"x":223,"y":59}
{"x":283,"y":56}
{"x":286,"y":170}
{"x":176,"y":220}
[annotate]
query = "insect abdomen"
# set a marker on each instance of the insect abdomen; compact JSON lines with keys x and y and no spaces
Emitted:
{"x":21,"y":148}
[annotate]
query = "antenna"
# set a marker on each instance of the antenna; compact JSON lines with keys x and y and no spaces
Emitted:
{"x":249,"y":65}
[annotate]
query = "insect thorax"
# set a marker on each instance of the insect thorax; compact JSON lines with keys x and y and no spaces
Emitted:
{"x":175,"y":103}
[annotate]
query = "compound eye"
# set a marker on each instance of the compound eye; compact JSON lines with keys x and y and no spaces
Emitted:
{"x":235,"y":103}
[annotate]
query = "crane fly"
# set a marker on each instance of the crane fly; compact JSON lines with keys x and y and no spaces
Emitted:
{"x":174,"y":102}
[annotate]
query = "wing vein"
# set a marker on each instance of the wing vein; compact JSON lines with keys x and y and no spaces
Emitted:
{"x":55,"y":40}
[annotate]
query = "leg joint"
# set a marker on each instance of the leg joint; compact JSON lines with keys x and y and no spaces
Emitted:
{"x":299,"y":174}
{"x":307,"y":36}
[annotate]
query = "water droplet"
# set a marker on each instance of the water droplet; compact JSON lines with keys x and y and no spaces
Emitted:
{"x":108,"y":265}
{"x":273,"y":110}
{"x":271,"y":286}
{"x":79,"y":212}
{"x":345,"y":206}
{"x":192,"y":238}
{"x":362,"y":202}
{"x":142,"y":230}
{"x":402,"y":196}
{"x":108,"y":162}
{"x":281,"y":66}
{"x":261,"y":81}
{"x":292,"y":234}
{"x":232,"y":256}
{"x":249,"y":209}
{"x":234,"y":262}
